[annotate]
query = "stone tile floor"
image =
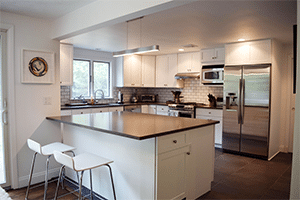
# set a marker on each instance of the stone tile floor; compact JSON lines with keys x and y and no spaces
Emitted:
{"x":236,"y":177}
{"x":239,"y":177}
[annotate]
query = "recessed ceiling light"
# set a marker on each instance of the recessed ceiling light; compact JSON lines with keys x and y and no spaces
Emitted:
{"x":180,"y":49}
{"x":241,"y":39}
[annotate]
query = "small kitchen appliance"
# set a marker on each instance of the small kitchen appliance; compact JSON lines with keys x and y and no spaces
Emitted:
{"x":120,"y":97}
{"x":176,"y":95}
{"x":212,"y":75}
{"x":148,"y":98}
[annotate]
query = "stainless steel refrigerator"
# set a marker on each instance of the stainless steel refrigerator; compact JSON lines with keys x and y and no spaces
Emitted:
{"x":246,"y":110}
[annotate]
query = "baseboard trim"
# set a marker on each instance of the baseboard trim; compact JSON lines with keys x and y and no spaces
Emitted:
{"x":38,"y":177}
{"x":274,"y":155}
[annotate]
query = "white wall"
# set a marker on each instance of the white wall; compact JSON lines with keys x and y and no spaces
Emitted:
{"x":30,"y":112}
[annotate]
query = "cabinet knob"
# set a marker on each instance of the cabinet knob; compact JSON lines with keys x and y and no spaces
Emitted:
{"x":174,"y":141}
{"x":188,"y":153}
{"x":209,"y":112}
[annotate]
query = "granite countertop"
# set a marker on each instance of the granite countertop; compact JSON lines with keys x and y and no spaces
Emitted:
{"x":198,"y":105}
{"x":133,"y":125}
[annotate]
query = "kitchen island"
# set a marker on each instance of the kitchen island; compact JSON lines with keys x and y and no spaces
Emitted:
{"x":155,"y":157}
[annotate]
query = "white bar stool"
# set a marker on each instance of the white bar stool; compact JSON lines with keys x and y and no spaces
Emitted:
{"x":46,"y":150}
{"x":80,"y":163}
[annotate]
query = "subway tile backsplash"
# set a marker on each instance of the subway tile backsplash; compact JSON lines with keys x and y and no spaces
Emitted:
{"x":193,"y":91}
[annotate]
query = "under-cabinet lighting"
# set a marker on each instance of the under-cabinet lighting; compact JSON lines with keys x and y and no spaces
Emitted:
{"x":136,"y":51}
{"x":241,"y":39}
{"x":180,"y":49}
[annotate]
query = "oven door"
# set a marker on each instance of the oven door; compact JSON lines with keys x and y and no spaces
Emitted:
{"x":181,"y":113}
{"x":212,"y":76}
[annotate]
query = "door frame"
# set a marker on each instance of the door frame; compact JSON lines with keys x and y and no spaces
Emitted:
{"x":10,"y":60}
{"x":291,"y":106}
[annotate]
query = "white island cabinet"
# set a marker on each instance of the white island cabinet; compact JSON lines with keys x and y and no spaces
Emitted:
{"x":155,"y":157}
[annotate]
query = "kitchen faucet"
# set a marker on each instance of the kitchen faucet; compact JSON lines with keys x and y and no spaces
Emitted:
{"x":96,"y":92}
{"x":81,"y":97}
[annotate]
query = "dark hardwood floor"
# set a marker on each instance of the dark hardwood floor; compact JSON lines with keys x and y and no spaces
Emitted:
{"x":236,"y":177}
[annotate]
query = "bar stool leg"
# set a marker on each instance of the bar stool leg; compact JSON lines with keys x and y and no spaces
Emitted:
{"x":80,"y":185}
{"x":58,"y":181}
{"x":76,"y":172}
{"x":46,"y":177}
{"x":30,"y":175}
{"x":91,"y":193}
{"x":112,"y":181}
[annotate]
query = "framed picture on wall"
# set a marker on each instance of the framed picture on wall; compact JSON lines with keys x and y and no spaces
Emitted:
{"x":37,"y":67}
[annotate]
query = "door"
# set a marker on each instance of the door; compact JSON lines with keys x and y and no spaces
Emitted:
{"x":231,"y":111}
{"x":4,"y":159}
{"x":255,"y":110}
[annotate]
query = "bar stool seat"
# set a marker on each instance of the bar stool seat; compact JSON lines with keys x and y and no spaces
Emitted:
{"x":46,"y":150}
{"x":81,"y":163}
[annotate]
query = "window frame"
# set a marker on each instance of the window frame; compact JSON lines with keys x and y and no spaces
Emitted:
{"x":91,"y":78}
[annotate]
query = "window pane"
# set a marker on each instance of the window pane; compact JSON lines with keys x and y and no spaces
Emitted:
{"x":101,"y":78}
{"x":80,"y":78}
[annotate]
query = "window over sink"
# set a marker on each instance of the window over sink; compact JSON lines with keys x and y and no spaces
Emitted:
{"x":89,"y":76}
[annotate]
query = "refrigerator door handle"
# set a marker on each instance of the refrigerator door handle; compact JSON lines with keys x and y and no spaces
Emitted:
{"x":243,"y":102}
{"x":240,"y":101}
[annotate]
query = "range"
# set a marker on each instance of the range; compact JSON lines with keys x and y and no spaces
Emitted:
{"x":182,"y":109}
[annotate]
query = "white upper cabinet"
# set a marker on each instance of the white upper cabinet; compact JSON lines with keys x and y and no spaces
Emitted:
{"x":166,"y":68}
{"x":148,"y":71}
{"x":66,"y":64}
{"x":129,"y":71}
{"x":189,"y":62}
{"x":216,"y":55}
{"x":253,"y":52}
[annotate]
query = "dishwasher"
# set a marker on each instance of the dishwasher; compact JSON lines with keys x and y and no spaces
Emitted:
{"x":135,"y":108}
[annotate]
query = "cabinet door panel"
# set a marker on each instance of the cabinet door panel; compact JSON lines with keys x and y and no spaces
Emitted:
{"x":260,"y":52}
{"x":148,"y":71}
{"x":115,"y":109}
{"x":171,"y":174}
{"x":207,"y":55}
{"x":237,"y":54}
{"x":66,"y":64}
{"x":172,"y":82}
{"x":132,"y":71}
{"x":219,"y":54}
{"x":184,"y":62}
{"x":162,"y":71}
{"x":195,"y":62}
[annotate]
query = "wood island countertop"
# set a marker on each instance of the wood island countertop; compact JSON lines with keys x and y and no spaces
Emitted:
{"x":133,"y":125}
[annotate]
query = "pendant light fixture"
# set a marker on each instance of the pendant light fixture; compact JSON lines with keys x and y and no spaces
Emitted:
{"x":139,"y":50}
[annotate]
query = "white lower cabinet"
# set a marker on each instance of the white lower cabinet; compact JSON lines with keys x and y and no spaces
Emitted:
{"x":99,"y":110}
{"x":212,"y":114}
{"x":65,"y":112}
{"x":115,"y":109}
{"x":185,"y":164}
{"x":152,"y":109}
{"x":144,"y":109}
{"x":80,"y":111}
{"x":162,"y":110}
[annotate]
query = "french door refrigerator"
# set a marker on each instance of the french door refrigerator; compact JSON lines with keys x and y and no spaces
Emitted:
{"x":246,"y":110}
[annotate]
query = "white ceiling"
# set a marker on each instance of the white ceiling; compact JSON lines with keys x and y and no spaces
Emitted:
{"x":203,"y":23}
{"x":44,"y":9}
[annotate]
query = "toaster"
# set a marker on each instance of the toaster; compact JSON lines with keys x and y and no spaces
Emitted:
{"x":148,"y":98}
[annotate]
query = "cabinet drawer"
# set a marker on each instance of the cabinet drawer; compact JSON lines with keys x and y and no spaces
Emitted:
{"x":162,"y":108}
{"x":99,"y":110}
{"x":209,"y":112}
{"x":171,"y":142}
{"x":115,"y":109}
{"x":81,"y":111}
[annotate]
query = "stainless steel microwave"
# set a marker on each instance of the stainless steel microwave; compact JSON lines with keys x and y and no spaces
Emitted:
{"x":212,"y":75}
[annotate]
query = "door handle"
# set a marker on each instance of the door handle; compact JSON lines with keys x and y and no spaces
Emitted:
{"x":243,"y":102}
{"x":4,"y":117}
{"x":240,"y":102}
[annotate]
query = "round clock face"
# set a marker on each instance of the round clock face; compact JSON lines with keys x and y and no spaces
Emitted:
{"x":38,"y":66}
